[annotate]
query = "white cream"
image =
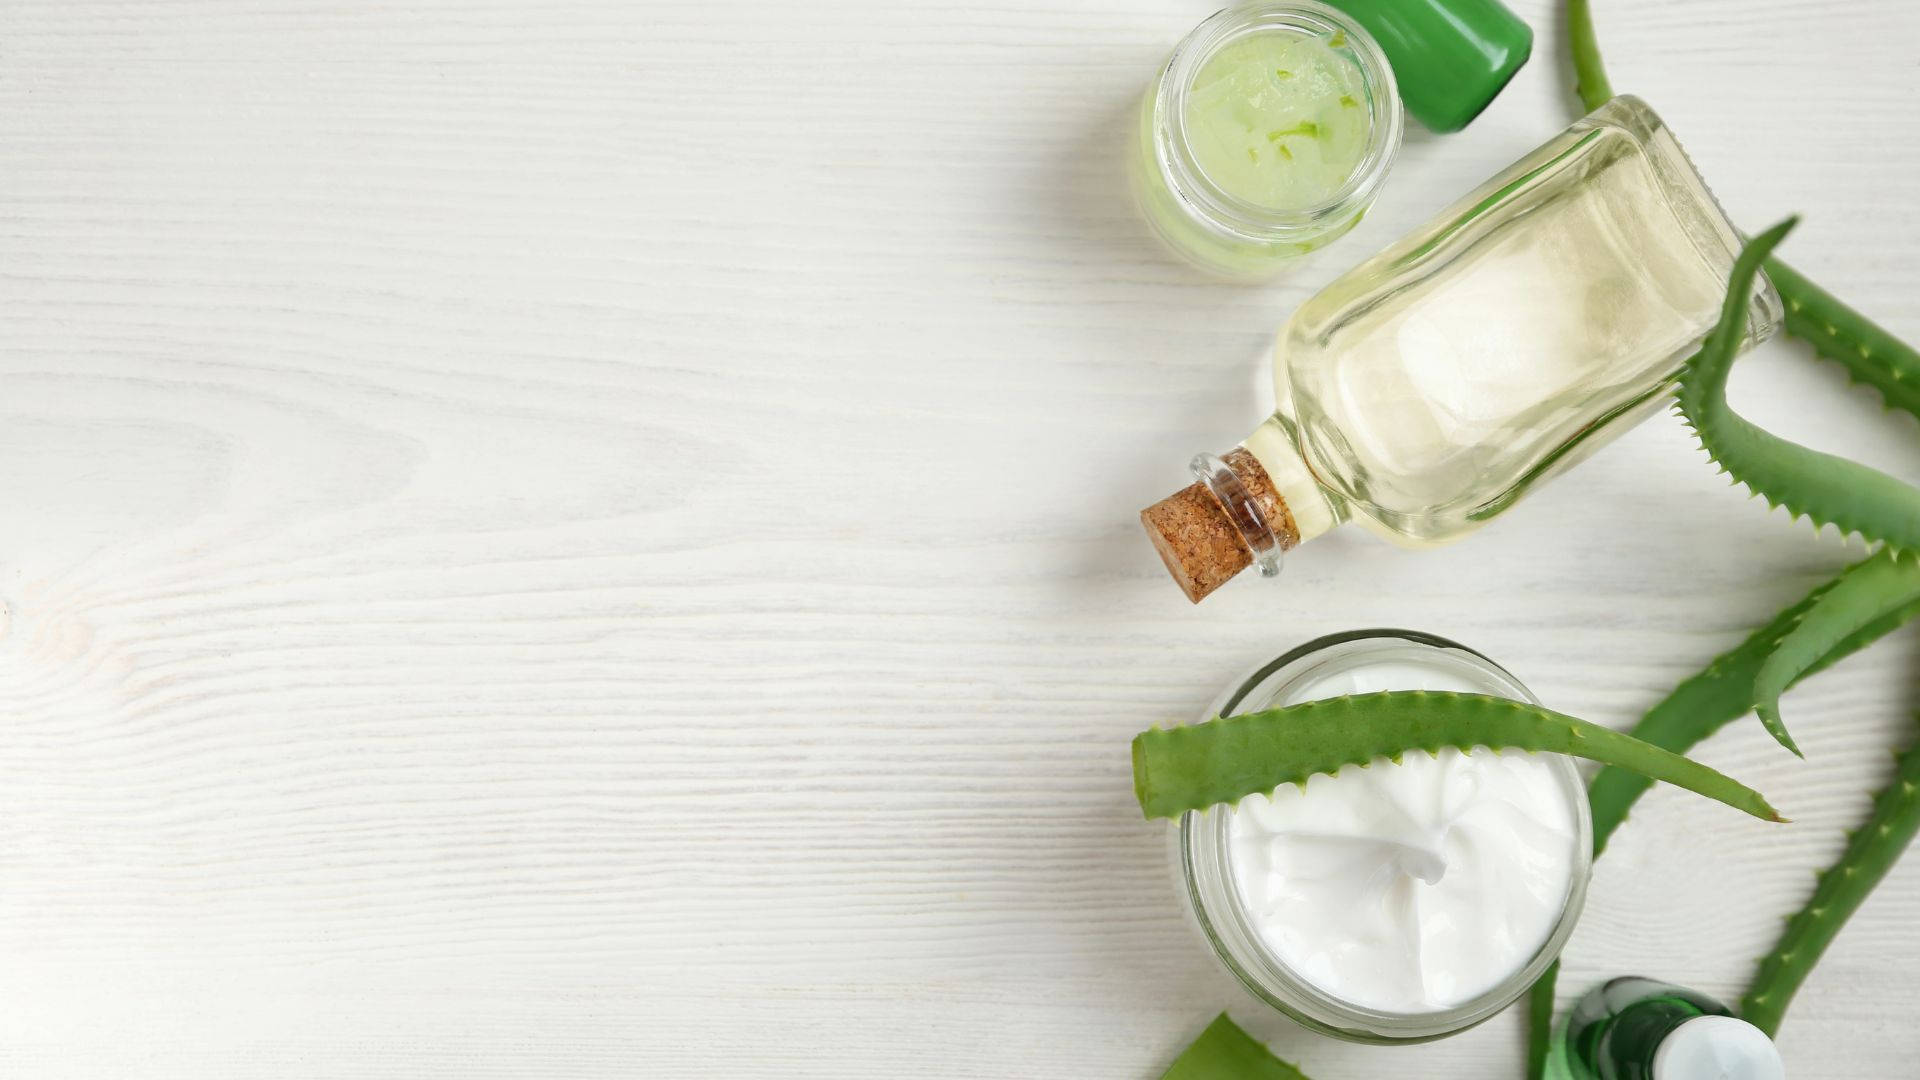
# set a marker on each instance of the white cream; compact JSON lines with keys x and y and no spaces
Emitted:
{"x":1408,"y":888}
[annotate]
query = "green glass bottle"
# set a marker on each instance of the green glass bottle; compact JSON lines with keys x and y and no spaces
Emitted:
{"x":1634,"y":1028}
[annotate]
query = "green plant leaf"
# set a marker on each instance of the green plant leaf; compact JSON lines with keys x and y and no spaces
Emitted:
{"x":1870,"y":853}
{"x":1824,"y":488}
{"x":1719,"y":694}
{"x":1225,"y":1052}
{"x":1698,"y":707}
{"x":1589,"y":71}
{"x":1881,"y":585}
{"x":1540,"y":1020}
{"x":1224,"y":760}
{"x":1871,"y":355}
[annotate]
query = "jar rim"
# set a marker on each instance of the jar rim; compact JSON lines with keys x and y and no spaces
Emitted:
{"x":1226,"y":210}
{"x":1204,"y":860}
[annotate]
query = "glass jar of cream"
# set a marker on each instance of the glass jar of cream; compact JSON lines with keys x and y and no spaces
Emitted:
{"x":1265,"y":135}
{"x":1396,"y":902}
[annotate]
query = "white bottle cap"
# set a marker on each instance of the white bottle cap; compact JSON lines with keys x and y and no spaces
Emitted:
{"x":1717,"y":1048}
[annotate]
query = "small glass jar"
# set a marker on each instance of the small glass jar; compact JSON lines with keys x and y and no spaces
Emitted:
{"x":1203,"y":854}
{"x":1215,"y":229}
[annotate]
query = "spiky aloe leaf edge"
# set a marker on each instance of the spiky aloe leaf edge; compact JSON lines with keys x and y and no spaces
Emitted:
{"x":1196,"y":766}
{"x":1824,"y":488}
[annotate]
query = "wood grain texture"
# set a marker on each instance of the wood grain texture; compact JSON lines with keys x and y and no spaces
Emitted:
{"x":597,"y":539}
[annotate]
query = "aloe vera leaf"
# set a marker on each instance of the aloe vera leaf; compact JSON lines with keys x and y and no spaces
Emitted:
{"x":1871,"y":851}
{"x":1224,"y":760}
{"x":1540,"y":1020}
{"x":1225,"y":1052}
{"x":1824,"y":488}
{"x":1589,"y":71}
{"x":1698,"y":707}
{"x":1885,"y":583}
{"x":1872,"y":356}
{"x":1719,"y":694}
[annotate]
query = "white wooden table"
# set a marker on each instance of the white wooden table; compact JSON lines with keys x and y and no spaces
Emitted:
{"x":593,"y":538}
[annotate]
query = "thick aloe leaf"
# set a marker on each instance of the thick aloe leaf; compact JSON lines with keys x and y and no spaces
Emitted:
{"x":1590,"y":74}
{"x":1870,"y":853}
{"x":1826,"y":489}
{"x":1871,"y":355}
{"x":1698,"y":707}
{"x":1719,"y":695}
{"x":1225,"y":1052}
{"x":1540,"y":1020}
{"x":1226,"y":759}
{"x":1886,"y":583}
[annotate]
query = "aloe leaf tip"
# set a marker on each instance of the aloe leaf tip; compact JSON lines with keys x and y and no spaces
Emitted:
{"x":1769,"y":712}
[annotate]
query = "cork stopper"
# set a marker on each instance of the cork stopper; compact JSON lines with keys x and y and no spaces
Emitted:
{"x":1221,"y":524}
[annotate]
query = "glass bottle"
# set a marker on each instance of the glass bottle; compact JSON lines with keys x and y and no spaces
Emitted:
{"x":1429,"y":388}
{"x":1634,"y":1028}
{"x":1224,"y":215}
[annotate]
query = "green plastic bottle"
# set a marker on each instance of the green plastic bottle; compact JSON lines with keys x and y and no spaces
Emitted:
{"x":1634,"y":1028}
{"x":1451,"y":57}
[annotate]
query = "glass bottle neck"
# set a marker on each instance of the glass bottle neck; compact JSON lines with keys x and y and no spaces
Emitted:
{"x":1276,"y":447}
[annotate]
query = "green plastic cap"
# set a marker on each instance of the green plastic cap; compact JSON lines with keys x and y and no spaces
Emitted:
{"x":1450,"y":57}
